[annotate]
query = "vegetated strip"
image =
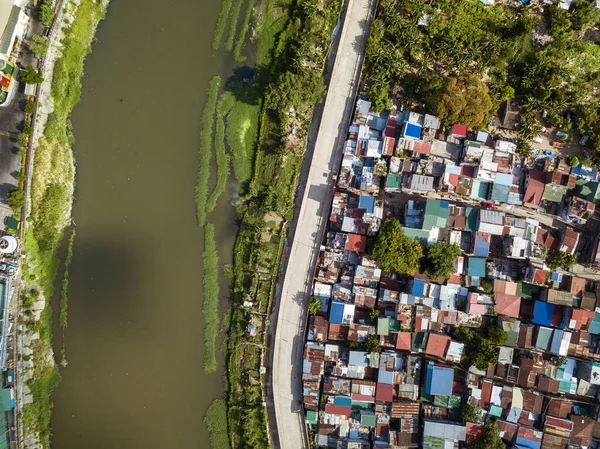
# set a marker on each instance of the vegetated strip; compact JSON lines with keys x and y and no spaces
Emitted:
{"x":235,"y":15}
{"x":221,"y":24}
{"x":282,"y":33}
{"x":211,"y":298}
{"x":216,"y":423}
{"x":65,"y":283}
{"x":206,"y":137}
{"x":223,"y":159}
{"x":241,"y":39}
{"x":51,"y":197}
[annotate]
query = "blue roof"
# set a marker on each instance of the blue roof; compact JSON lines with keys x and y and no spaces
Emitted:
{"x":542,"y":313}
{"x":411,"y":130}
{"x":581,"y":170}
{"x":439,"y":380}
{"x":344,"y":401}
{"x":337,"y":313}
{"x":418,"y":287}
{"x":367,"y":203}
{"x":525,"y":443}
{"x":556,"y":277}
{"x":482,"y":248}
{"x":476,"y":267}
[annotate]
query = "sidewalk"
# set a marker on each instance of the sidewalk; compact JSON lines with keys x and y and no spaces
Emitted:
{"x":289,"y":337}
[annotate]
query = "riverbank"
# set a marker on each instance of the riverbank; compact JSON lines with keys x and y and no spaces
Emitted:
{"x":51,"y":177}
{"x":278,"y":96}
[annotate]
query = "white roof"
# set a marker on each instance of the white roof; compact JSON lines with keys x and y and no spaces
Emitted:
{"x":444,"y":430}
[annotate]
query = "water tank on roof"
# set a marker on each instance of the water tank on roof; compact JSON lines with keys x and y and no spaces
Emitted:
{"x":8,"y":244}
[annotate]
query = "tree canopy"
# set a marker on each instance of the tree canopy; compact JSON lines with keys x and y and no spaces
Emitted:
{"x":497,"y":335}
{"x":440,"y":259}
{"x":394,"y":251}
{"x":490,"y":439}
{"x":470,"y":413}
{"x":30,"y":76}
{"x":295,"y":89}
{"x":314,"y":305}
{"x":559,"y":259}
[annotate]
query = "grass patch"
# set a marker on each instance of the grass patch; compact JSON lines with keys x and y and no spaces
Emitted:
{"x":211,"y":298}
{"x":206,"y":138}
{"x":235,"y":15}
{"x":216,"y":422}
{"x":223,"y":159}
{"x":241,"y":39}
{"x":221,"y":24}
{"x":37,"y":414}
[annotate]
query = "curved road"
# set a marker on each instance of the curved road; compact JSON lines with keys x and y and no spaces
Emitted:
{"x":291,"y":318}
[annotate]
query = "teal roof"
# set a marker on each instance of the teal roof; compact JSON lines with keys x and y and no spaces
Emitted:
{"x":393,"y":181}
{"x":595,"y":325}
{"x":311,"y":417}
{"x":5,"y":400}
{"x":528,"y":291}
{"x":476,"y":267}
{"x":394,"y":325}
{"x":500,"y":193}
{"x":496,"y":411}
{"x":436,"y":214}
{"x":588,"y":190}
{"x":479,"y":190}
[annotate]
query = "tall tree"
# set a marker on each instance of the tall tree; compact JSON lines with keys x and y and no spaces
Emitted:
{"x":394,"y":251}
{"x":440,"y":259}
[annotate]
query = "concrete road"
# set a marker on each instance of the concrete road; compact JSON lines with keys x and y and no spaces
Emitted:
{"x":289,"y":336}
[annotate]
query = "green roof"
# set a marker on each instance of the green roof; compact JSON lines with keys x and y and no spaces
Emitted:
{"x":453,"y":401}
{"x":433,"y":443}
{"x":472,"y":215}
{"x":3,"y":430}
{"x":368,"y":419}
{"x":543,"y":338}
{"x":360,"y":405}
{"x":436,"y":214}
{"x":565,"y":386}
{"x":383,"y":326}
{"x":418,"y":234}
{"x":5,"y":401}
{"x":393,"y":181}
{"x":554,"y":193}
{"x":587,"y":190}
{"x":311,"y":417}
{"x":528,"y":291}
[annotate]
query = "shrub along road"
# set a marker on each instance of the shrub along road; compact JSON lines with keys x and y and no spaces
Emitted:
{"x":291,"y":317}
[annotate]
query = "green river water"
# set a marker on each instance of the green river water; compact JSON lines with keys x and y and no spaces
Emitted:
{"x":134,"y":344}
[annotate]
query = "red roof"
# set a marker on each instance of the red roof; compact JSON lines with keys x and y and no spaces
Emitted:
{"x":337,"y":410}
{"x":454,"y":279}
{"x":356,"y":242}
{"x":581,"y":318}
{"x":362,"y":397}
{"x":5,"y":81}
{"x":437,"y":344}
{"x":558,"y":422}
{"x":421,"y":147}
{"x":404,"y":341}
{"x":385,"y":393}
{"x":390,"y":127}
{"x":474,"y":431}
{"x":539,"y":276}
{"x":535,"y":187}
{"x":486,"y":393}
{"x":508,"y":305}
{"x":453,"y":179}
{"x":458,"y":131}
{"x":388,"y":146}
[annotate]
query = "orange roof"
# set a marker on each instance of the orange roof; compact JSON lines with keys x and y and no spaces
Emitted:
{"x":356,"y":242}
{"x":453,"y":179}
{"x":437,"y":344}
{"x":337,"y":410}
{"x":580,"y":318}
{"x":404,"y":341}
{"x":507,"y":287}
{"x":539,"y":277}
{"x":508,"y":305}
{"x":421,"y":147}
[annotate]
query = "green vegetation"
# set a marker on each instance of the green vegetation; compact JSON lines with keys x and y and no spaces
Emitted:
{"x":481,"y":350}
{"x":559,"y":259}
{"x":211,"y":298}
{"x":65,"y":283}
{"x":395,"y":252}
{"x":38,"y":44}
{"x":30,"y":76}
{"x":470,"y":413}
{"x":497,"y":335}
{"x":221,"y":24}
{"x":372,"y":344}
{"x":216,"y":422}
{"x":573,"y":161}
{"x":267,"y":164}
{"x":235,"y":15}
{"x":445,"y":55}
{"x":314,"y":305}
{"x":489,"y":440}
{"x":30,"y":107}
{"x":15,"y":199}
{"x":440,"y":260}
{"x":51,"y":196}
{"x":206,"y":139}
{"x":47,"y":12}
{"x":241,"y":39}
{"x":222,"y":157}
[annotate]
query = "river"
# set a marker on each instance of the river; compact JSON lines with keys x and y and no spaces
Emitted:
{"x":134,"y":344}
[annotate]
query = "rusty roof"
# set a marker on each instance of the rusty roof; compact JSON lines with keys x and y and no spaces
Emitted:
{"x":583,"y":428}
{"x":437,"y":344}
{"x":405,"y":409}
{"x":559,"y":407}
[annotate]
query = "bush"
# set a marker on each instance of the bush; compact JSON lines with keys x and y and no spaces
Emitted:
{"x":30,"y":76}
{"x":314,"y":305}
{"x":372,"y":344}
{"x":470,"y":413}
{"x":38,"y":44}
{"x":22,"y":140}
{"x":30,"y":107}
{"x":395,"y":252}
{"x":46,"y":13}
{"x":573,"y":161}
{"x":15,"y":199}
